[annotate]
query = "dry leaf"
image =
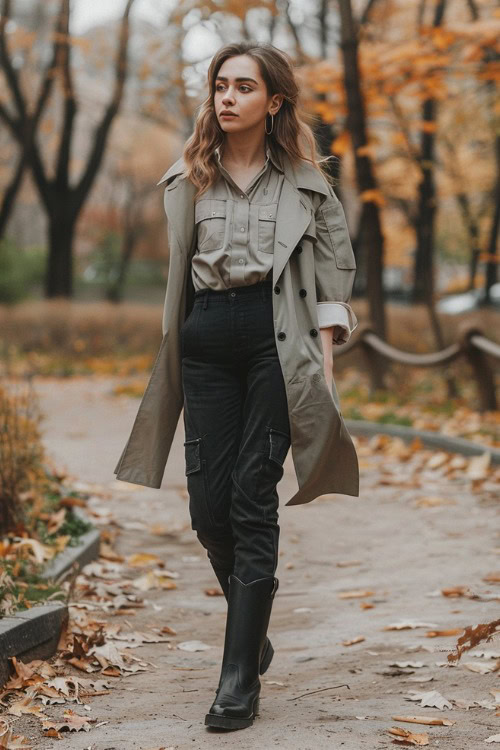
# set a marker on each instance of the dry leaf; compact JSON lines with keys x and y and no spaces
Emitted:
{"x":355,"y":594}
{"x":433,"y":699}
{"x":72,"y":722}
{"x":480,"y":667}
{"x":433,"y":721}
{"x":193,"y":646}
{"x":404,"y":735}
{"x":430,"y":501}
{"x":155,"y":580}
{"x":478,"y":466}
{"x":352,"y":641}
{"x":437,"y":460}
{"x":143,"y":558}
{"x":409,"y":624}
{"x":214,"y":592}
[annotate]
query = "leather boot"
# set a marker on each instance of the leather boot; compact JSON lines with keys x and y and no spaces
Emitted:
{"x":268,"y":653}
{"x":248,"y":614}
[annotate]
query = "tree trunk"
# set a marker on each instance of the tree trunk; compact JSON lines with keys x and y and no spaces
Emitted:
{"x":370,"y":238}
{"x":492,"y":264}
{"x":59,"y":273}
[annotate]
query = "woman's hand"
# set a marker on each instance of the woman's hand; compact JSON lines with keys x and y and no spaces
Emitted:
{"x":327,"y":342}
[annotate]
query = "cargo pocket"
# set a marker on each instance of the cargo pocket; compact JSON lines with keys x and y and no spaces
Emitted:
{"x":200,"y":502}
{"x":279,"y":443}
{"x":210,"y":220}
{"x":335,"y":221}
{"x":267,"y":227}
{"x":271,"y":471}
{"x":192,"y":453}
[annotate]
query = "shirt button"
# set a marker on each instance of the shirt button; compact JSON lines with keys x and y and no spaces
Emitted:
{"x":282,"y":335}
{"x":241,"y":196}
{"x":233,"y":294}
{"x":241,"y":260}
{"x":242,"y":229}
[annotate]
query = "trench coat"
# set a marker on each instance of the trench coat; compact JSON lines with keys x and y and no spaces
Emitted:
{"x":323,"y":453}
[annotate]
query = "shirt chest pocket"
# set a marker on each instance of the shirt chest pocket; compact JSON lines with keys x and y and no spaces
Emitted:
{"x":210,"y":219}
{"x":267,"y":227}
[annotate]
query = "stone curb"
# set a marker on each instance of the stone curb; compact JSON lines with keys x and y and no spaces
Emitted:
{"x":361,"y":428}
{"x":87,"y":550}
{"x":34,"y":633}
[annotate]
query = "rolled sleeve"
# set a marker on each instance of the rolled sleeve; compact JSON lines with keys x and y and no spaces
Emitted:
{"x":341,"y":316}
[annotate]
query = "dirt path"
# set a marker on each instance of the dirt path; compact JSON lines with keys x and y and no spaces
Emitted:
{"x":383,"y":543}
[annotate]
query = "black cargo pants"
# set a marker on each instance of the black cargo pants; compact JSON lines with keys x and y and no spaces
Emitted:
{"x":237,"y":430}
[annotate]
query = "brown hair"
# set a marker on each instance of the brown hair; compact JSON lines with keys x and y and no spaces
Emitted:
{"x":291,"y":134}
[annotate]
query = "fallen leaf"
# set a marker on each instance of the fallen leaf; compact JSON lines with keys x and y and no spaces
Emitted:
{"x":214,"y":592}
{"x":433,"y":721}
{"x":430,"y":501}
{"x":404,"y":735}
{"x":480,"y":667}
{"x":355,"y":594}
{"x":433,"y":699}
{"x":409,"y":624}
{"x":492,"y":577}
{"x":478,"y":466}
{"x":143,"y":558}
{"x":352,"y":641}
{"x":193,"y":646}
{"x":437,"y":460}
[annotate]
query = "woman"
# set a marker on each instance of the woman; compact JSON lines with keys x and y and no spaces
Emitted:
{"x":260,"y":264}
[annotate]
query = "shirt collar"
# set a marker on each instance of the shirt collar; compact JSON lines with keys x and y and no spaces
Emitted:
{"x":269,"y":156}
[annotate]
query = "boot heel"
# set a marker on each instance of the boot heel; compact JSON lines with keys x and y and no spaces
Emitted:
{"x":256,"y":706}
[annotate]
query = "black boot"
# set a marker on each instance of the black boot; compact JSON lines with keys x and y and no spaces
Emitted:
{"x":248,"y":614}
{"x":268,"y":653}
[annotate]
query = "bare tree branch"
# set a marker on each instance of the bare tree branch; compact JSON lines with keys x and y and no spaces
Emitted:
{"x":102,"y":131}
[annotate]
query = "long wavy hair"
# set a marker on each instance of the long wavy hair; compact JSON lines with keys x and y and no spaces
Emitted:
{"x":292,"y":134}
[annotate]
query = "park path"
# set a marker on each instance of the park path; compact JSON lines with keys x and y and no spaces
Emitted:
{"x":421,"y":524}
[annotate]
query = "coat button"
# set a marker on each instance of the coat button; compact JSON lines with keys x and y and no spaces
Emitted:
{"x":313,"y":332}
{"x":277,"y":290}
{"x":299,"y":248}
{"x":302,"y":292}
{"x":282,"y":335}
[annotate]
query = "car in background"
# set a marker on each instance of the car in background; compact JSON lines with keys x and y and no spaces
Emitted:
{"x":454,"y":304}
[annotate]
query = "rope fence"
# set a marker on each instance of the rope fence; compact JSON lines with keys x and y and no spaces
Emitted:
{"x":477,"y":350}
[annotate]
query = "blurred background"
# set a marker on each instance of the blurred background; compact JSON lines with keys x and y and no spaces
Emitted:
{"x":97,"y":100}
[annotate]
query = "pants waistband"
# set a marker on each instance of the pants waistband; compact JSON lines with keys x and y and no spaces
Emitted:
{"x":262,"y":288}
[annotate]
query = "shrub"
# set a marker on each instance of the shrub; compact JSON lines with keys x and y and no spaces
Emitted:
{"x":21,"y":453}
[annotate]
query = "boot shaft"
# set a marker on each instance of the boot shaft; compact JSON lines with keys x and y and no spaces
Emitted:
{"x":248,"y":615}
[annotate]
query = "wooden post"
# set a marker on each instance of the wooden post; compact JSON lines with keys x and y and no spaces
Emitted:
{"x":481,"y":368}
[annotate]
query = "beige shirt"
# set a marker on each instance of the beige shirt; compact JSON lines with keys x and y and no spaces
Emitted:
{"x":235,"y":238}
{"x":235,"y":229}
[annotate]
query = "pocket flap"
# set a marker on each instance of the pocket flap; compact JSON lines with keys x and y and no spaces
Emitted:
{"x":209,"y":208}
{"x":279,"y":443}
{"x":192,"y":451}
{"x":268,"y":213}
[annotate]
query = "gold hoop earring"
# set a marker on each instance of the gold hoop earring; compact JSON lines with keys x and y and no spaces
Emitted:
{"x":272,"y":124}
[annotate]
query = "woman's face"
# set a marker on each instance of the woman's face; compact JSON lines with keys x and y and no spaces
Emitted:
{"x":240,"y":88}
